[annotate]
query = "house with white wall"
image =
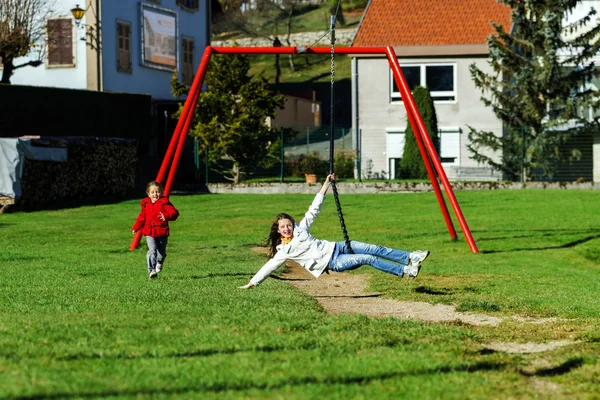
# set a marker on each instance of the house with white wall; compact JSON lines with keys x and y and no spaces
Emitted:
{"x":435,"y":42}
{"x":140,"y":45}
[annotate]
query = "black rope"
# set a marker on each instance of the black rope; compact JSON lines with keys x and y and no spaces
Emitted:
{"x":332,"y":140}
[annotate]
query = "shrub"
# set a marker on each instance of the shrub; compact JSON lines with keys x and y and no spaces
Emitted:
{"x":412,"y":165}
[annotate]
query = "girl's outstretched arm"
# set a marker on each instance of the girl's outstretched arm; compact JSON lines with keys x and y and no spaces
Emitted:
{"x":247,"y":286}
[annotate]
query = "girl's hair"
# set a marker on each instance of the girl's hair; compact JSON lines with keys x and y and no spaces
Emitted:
{"x":274,"y":236}
{"x":153,"y":183}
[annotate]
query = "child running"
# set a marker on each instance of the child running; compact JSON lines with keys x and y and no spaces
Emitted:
{"x":154,"y":219}
{"x":291,"y":241}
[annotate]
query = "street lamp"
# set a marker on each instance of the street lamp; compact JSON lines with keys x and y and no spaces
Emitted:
{"x":93,"y":33}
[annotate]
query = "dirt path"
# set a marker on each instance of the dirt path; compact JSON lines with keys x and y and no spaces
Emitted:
{"x":340,"y":293}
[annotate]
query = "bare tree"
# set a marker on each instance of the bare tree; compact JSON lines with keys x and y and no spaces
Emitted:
{"x":22,"y":26}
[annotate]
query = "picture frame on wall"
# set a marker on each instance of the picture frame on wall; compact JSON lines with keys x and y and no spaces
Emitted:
{"x":159,"y":37}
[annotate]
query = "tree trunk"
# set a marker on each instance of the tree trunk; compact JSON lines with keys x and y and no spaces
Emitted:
{"x":236,"y":173}
{"x":287,"y":39}
{"x":8,"y":70}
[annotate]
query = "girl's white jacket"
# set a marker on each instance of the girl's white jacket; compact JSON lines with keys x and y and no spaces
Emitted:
{"x":308,"y":251}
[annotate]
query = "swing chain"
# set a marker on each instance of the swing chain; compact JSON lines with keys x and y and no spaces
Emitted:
{"x":341,"y":217}
{"x":332,"y":65}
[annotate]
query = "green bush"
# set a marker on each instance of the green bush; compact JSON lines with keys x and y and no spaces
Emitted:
{"x":313,"y":164}
{"x":343,"y":165}
{"x":412,"y":165}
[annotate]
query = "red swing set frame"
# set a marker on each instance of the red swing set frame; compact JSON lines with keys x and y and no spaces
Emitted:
{"x":426,"y":147}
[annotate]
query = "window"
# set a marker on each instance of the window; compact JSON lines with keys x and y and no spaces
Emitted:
{"x":187,"y":67}
{"x":394,"y":150}
{"x":449,"y":151}
{"x":440,"y":79}
{"x":60,"y":43}
{"x":450,"y":145}
{"x":123,"y":46}
{"x":189,"y":4}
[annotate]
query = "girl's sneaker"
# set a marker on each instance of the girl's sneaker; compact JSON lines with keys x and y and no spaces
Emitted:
{"x":158,"y":268}
{"x":153,"y":275}
{"x":418,"y":256}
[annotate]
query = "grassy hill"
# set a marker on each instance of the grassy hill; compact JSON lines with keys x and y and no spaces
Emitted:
{"x":308,"y":18}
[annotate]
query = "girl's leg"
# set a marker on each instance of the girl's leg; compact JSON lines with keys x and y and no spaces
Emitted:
{"x":151,"y":255}
{"x":345,"y":262}
{"x":161,"y":251}
{"x":399,"y":256}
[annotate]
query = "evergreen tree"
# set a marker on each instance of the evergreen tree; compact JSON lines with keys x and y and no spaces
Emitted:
{"x":539,"y":88}
{"x":230,"y":118}
{"x":412,"y":165}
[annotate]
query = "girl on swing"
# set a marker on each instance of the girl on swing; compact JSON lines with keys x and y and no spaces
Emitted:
{"x":291,"y":241}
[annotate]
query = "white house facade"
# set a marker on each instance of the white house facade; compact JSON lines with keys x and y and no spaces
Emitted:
{"x":436,"y":52}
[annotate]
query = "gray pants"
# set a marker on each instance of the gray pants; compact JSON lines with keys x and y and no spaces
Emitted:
{"x":157,"y":251}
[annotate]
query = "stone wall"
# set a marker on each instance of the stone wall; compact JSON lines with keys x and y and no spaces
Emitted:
{"x":343,"y":37}
{"x":388,"y":187}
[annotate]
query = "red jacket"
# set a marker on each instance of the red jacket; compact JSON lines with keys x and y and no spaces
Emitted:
{"x":149,"y":220}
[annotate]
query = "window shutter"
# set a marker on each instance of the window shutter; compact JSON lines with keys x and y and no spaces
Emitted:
{"x":187,"y":60}
{"x":123,"y":47}
{"x":60,"y":41}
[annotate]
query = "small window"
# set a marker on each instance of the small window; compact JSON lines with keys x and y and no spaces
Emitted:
{"x":189,"y":4}
{"x":123,"y":46}
{"x":450,"y":145}
{"x":440,"y":79}
{"x":60,"y":43}
{"x":187,"y":67}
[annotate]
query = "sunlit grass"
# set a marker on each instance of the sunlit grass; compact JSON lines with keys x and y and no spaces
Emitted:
{"x":79,"y":317}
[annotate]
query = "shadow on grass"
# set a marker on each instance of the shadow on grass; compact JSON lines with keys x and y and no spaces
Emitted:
{"x":542,"y":233}
{"x":432,"y":291}
{"x":291,"y":381}
{"x":209,"y":276}
{"x":362,"y":296}
{"x":562,"y":369}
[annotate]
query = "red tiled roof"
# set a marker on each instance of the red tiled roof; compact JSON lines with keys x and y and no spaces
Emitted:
{"x":429,"y":22}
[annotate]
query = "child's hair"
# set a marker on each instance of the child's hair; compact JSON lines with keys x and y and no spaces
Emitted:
{"x":153,"y":183}
{"x":274,"y":236}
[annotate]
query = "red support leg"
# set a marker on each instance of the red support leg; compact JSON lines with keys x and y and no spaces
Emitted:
{"x":411,"y":108}
{"x":180,"y":133}
{"x":180,"y":144}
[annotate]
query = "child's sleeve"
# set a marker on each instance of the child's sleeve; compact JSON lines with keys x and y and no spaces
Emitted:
{"x":171,"y":213}
{"x":268,"y":268}
{"x":313,"y":211}
{"x":139,"y":221}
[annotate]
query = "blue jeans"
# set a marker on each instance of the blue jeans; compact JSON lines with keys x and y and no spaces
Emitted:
{"x":157,"y":251}
{"x":378,"y":257}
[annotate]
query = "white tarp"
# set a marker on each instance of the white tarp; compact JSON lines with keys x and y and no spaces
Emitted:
{"x":13,"y":152}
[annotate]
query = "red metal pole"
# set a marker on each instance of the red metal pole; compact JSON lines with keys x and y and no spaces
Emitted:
{"x":187,"y":118}
{"x":180,"y":145}
{"x":298,"y":50}
{"x":411,"y":108}
{"x":400,"y":80}
{"x":415,"y":119}
{"x":179,"y":134}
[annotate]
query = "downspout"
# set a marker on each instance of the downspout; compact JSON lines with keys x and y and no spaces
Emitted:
{"x":355,"y":136}
{"x":208,"y":23}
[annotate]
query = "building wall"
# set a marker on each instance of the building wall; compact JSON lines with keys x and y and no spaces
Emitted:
{"x":382,"y":122}
{"x":145,"y":79}
{"x":72,"y":77}
{"x":142,"y":79}
{"x":298,"y":113}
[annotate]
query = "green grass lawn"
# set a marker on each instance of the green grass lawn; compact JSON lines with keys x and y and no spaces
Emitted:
{"x":80,"y":319}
